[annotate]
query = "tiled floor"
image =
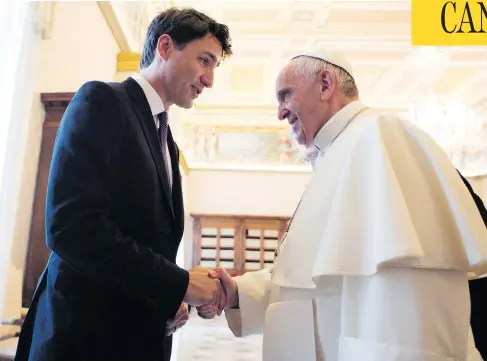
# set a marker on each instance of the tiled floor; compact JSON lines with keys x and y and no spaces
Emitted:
{"x":202,"y":340}
{"x":199,"y":340}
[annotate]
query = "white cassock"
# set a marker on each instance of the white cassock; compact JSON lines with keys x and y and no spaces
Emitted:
{"x":376,"y":261}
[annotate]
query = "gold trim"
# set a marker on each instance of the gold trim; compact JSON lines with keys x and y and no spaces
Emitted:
{"x":128,"y":61}
{"x":113,"y":24}
{"x":183,"y":163}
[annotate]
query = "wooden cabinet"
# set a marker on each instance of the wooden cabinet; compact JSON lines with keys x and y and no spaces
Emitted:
{"x":236,"y":243}
{"x":37,"y":252}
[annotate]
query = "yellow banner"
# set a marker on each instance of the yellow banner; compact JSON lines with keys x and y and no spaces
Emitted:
{"x":441,"y":22}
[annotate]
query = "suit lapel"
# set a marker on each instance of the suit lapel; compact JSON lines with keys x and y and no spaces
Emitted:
{"x":146,"y":119}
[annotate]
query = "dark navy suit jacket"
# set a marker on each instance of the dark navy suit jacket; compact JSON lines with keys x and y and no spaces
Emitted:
{"x":478,"y":292}
{"x":114,"y":228}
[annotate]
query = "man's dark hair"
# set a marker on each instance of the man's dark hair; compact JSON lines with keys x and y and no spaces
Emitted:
{"x":183,"y":26}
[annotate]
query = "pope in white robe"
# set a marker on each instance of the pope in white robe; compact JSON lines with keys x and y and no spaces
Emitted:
{"x":376,"y":261}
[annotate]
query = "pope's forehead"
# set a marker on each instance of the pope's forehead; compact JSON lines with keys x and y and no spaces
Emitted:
{"x":287,"y":74}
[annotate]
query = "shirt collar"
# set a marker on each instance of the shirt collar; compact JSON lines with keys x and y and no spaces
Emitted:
{"x":155,"y":103}
{"x":332,"y":128}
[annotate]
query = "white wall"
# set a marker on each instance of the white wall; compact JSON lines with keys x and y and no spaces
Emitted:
{"x":239,"y":192}
{"x":81,"y":48}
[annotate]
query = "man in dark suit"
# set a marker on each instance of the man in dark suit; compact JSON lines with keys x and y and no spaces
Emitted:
{"x":114,"y":210}
{"x":478,"y":291}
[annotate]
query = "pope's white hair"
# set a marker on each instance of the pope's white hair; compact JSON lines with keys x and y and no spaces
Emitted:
{"x":310,"y":67}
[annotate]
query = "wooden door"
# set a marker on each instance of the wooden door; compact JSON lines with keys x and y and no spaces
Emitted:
{"x":37,"y":251}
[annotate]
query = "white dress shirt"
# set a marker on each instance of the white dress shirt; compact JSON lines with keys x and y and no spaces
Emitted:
{"x":157,"y":107}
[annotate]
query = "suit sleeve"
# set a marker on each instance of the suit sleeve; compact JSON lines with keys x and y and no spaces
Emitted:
{"x":80,"y":227}
{"x":253,"y":294}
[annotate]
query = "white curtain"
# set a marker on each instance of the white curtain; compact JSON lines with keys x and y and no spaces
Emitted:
{"x":20,"y":38}
{"x":11,"y":18}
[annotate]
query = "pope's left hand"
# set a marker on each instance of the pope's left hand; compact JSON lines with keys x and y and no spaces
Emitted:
{"x":179,"y":320}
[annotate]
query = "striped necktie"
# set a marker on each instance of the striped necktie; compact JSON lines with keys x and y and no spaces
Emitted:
{"x":162,"y":133}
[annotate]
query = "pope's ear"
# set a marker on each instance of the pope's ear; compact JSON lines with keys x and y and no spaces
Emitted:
{"x":327,"y":83}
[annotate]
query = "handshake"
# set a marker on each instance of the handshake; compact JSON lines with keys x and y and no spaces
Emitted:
{"x":210,"y":291}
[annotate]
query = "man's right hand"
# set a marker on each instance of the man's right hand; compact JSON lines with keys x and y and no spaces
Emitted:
{"x":203,"y":290}
{"x":229,"y":299}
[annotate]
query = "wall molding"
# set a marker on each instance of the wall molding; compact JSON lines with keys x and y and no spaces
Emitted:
{"x":44,"y":17}
{"x":56,"y":100}
{"x":114,"y":25}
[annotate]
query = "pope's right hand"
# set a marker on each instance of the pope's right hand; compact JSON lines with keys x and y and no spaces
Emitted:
{"x":229,"y":299}
{"x":203,"y":290}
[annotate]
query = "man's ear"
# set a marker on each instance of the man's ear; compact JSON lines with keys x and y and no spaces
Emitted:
{"x":164,"y":46}
{"x":327,"y":84}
